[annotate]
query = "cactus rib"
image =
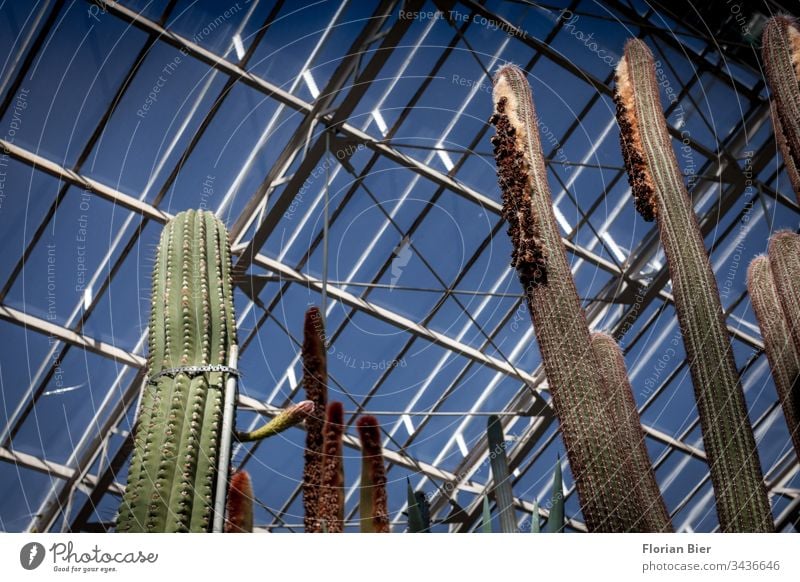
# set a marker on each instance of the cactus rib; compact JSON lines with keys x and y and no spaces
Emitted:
{"x":315,"y":382}
{"x":560,"y":324}
{"x":742,"y":503}
{"x":655,"y":517}
{"x":172,"y":476}
{"x":782,"y":353}
{"x":373,"y":504}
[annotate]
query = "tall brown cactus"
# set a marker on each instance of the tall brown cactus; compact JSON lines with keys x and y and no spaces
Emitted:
{"x":782,"y":353}
{"x":594,"y":448}
{"x":330,"y":511}
{"x":784,"y":259}
{"x":657,"y":185}
{"x":655,"y":517}
{"x":315,"y":382}
{"x":373,"y":503}
{"x":781,"y":54}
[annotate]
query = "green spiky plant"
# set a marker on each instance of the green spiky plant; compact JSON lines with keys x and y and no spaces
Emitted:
{"x":373,"y":502}
{"x":486,"y":516}
{"x":315,"y":382}
{"x":655,"y":517}
{"x":782,"y":353}
{"x":171,"y":481}
{"x":331,"y":492}
{"x":501,"y":475}
{"x":781,"y":54}
{"x":239,"y":507}
{"x":555,"y":521}
{"x":659,"y":191}
{"x":419,"y":515}
{"x":595,"y":452}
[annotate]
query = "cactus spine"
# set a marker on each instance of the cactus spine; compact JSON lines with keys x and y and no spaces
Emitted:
{"x":331,"y":494}
{"x":594,"y":449}
{"x":239,"y":508}
{"x":172,"y":474}
{"x":657,"y":185}
{"x":647,"y":495}
{"x":373,"y":504}
{"x":781,"y":53}
{"x":783,"y":355}
{"x":315,"y":381}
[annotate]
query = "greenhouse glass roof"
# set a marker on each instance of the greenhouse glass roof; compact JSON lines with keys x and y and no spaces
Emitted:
{"x":346,"y":146}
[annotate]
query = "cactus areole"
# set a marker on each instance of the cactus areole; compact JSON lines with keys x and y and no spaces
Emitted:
{"x":172,"y":475}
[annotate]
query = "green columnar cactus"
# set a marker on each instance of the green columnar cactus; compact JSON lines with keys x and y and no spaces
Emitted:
{"x":315,"y":382}
{"x":331,"y":494}
{"x":172,"y":476}
{"x":287,"y":418}
{"x":501,"y":476}
{"x":782,"y":353}
{"x":373,"y":504}
{"x":781,"y":53}
{"x":655,"y":517}
{"x":239,"y":508}
{"x":658,"y":188}
{"x":784,"y":260}
{"x":595,"y":452}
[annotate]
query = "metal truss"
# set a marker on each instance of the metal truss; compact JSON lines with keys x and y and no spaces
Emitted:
{"x":325,"y":124}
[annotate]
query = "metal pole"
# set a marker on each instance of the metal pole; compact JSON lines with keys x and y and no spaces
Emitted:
{"x":229,"y":407}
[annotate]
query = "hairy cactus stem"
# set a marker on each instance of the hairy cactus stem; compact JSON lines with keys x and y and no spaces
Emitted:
{"x":784,"y":260}
{"x":742,"y":503}
{"x":331,"y":494}
{"x":315,"y":382}
{"x":595,"y":454}
{"x":782,"y":353}
{"x":239,"y":509}
{"x":781,"y":54}
{"x":654,"y":517}
{"x":373,"y":504}
{"x":285,"y":419}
